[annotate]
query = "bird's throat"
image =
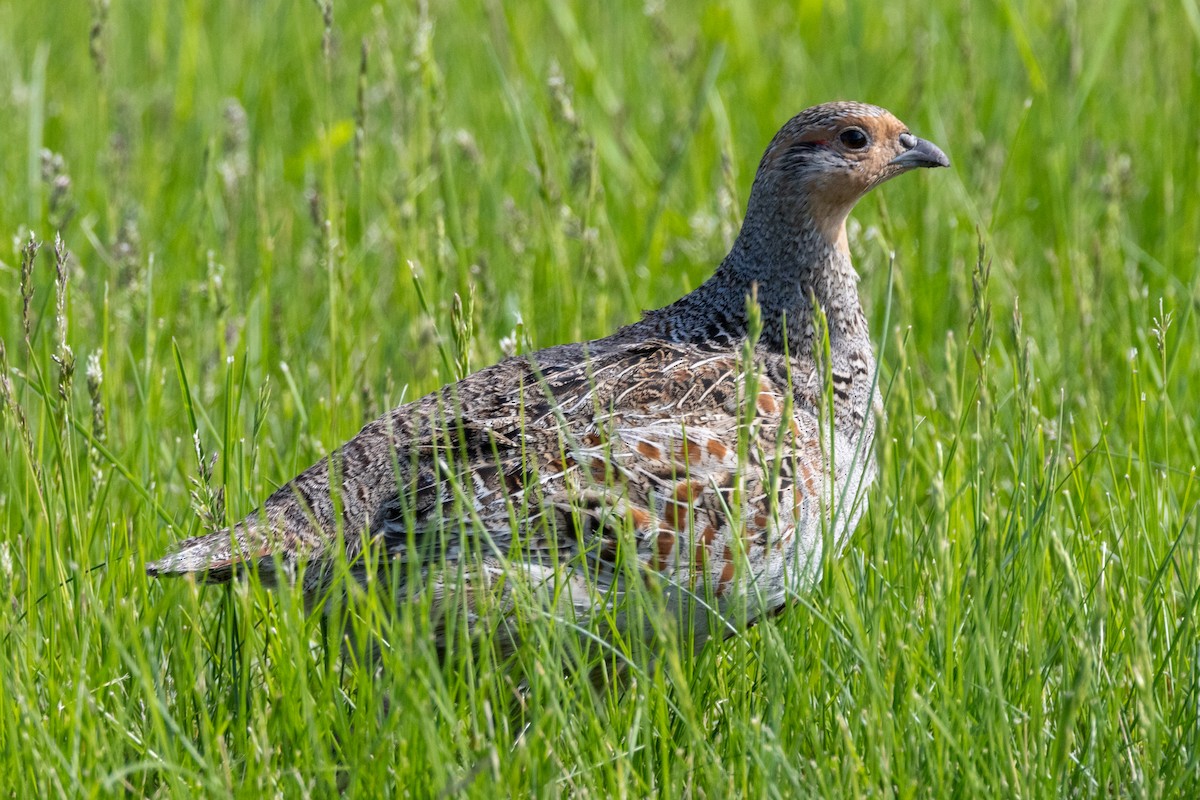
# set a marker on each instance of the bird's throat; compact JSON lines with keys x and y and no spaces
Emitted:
{"x":798,"y":278}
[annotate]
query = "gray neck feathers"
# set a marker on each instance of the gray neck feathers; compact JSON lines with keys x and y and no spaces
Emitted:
{"x":792,"y":262}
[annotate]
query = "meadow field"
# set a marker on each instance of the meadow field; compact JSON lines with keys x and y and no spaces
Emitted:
{"x":276,"y":220}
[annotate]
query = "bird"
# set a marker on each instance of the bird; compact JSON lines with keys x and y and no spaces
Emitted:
{"x":716,"y":447}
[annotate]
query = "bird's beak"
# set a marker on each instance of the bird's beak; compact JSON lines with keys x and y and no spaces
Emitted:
{"x":919,"y":153}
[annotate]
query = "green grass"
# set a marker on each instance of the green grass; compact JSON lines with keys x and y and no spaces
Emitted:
{"x":249,"y":199}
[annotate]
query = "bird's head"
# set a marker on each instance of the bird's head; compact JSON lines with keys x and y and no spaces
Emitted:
{"x":828,"y":156}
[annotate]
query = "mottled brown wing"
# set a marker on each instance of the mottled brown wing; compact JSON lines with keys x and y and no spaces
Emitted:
{"x":647,"y":451}
{"x":638,"y":446}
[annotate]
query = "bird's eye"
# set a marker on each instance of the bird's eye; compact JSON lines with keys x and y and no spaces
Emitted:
{"x":854,"y":138}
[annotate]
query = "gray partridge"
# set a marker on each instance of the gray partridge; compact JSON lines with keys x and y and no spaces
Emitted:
{"x":562,"y":468}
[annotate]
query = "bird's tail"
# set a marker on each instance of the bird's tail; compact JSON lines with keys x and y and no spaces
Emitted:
{"x":215,"y":557}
